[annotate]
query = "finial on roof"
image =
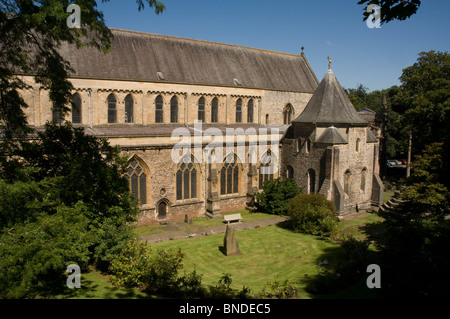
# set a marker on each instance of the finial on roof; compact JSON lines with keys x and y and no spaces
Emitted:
{"x":302,"y":50}
{"x":329,"y":63}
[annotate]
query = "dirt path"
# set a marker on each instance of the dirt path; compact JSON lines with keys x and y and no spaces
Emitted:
{"x":200,"y":232}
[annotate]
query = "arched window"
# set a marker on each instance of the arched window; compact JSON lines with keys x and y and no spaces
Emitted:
{"x":267,"y":168}
{"x":229,"y":176}
{"x":311,"y":181}
{"x":250,"y":111}
{"x":186,"y":179}
{"x":308,"y":145}
{"x":129,"y":103}
{"x":358,"y":142}
{"x":267,"y":119}
{"x":112,"y":110}
{"x":289,"y":172}
{"x":347,"y":181}
{"x":239,"y":111}
{"x":363,"y":179}
{"x":137,"y":181}
{"x":56,"y":114}
{"x":201,"y":109}
{"x":159,"y":109}
{"x":174,"y":110}
{"x":215,"y":110}
{"x":76,"y":109}
{"x":287,"y":114}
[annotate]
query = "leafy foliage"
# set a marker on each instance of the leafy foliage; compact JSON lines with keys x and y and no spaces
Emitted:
{"x":312,"y":214}
{"x":63,"y":165}
{"x":35,"y":255}
{"x":32,"y":32}
{"x":223,"y":289}
{"x":414,"y":256}
{"x":393,"y":9}
{"x":275,"y":195}
{"x":279,"y":290}
{"x":136,"y":266}
{"x":56,"y":210}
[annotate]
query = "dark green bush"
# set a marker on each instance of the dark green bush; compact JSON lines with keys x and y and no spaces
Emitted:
{"x":223,"y":289}
{"x":275,"y":195}
{"x":277,"y":290}
{"x":312,"y":214}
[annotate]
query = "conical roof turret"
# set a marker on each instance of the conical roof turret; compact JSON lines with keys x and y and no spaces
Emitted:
{"x":330,"y":105}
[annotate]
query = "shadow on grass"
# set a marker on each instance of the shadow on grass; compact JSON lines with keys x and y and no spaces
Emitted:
{"x":339,"y":279}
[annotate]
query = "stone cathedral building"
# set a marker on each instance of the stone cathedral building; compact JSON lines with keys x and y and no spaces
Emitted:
{"x":239,"y":116}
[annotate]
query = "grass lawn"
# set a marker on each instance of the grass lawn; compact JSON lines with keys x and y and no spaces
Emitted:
{"x":94,"y":285}
{"x":267,"y":254}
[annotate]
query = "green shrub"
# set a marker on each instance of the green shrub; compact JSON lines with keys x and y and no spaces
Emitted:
{"x":34,"y":256}
{"x":275,"y":195}
{"x":312,"y":214}
{"x":136,"y":266}
{"x":163,"y":274}
{"x":223,"y":289}
{"x":277,"y":290}
{"x":131,"y":265}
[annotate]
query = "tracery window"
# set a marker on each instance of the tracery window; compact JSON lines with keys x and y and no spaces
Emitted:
{"x":287,"y":114}
{"x":186,"y":179}
{"x":229,"y":176}
{"x":137,"y":180}
{"x":267,"y":168}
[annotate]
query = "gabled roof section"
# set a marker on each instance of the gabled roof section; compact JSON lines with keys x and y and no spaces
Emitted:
{"x":330,"y":105}
{"x":140,"y":56}
{"x":332,"y":136}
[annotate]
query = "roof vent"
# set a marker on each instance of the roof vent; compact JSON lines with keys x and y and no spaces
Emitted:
{"x":160,"y":75}
{"x":236,"y":82}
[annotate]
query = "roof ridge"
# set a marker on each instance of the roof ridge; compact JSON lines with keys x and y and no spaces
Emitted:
{"x":208,"y":42}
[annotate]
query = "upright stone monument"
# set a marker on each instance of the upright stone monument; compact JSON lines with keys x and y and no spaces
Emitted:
{"x":230,"y":244}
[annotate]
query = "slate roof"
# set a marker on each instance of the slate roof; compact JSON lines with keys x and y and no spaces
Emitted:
{"x":140,"y":56}
{"x":332,"y":136}
{"x":167,"y":130}
{"x":330,"y":105}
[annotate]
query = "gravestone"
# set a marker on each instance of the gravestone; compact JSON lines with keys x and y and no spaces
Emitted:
{"x":230,"y":244}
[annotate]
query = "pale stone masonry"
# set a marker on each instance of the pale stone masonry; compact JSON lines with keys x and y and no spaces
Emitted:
{"x":257,"y":94}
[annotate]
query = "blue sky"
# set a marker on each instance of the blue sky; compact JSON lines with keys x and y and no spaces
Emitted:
{"x":360,"y":55}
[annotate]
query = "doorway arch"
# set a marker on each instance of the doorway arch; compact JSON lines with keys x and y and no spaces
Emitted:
{"x":162,"y":209}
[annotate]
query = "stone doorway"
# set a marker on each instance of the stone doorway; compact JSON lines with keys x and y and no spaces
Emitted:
{"x":162,"y":210}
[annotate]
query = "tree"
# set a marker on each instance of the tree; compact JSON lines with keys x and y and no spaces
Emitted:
{"x":31,"y":33}
{"x":63,"y":200}
{"x":63,"y":165}
{"x":312,"y":214}
{"x":425,"y":95}
{"x":414,"y":257}
{"x":275,"y":195}
{"x":392,"y":9}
